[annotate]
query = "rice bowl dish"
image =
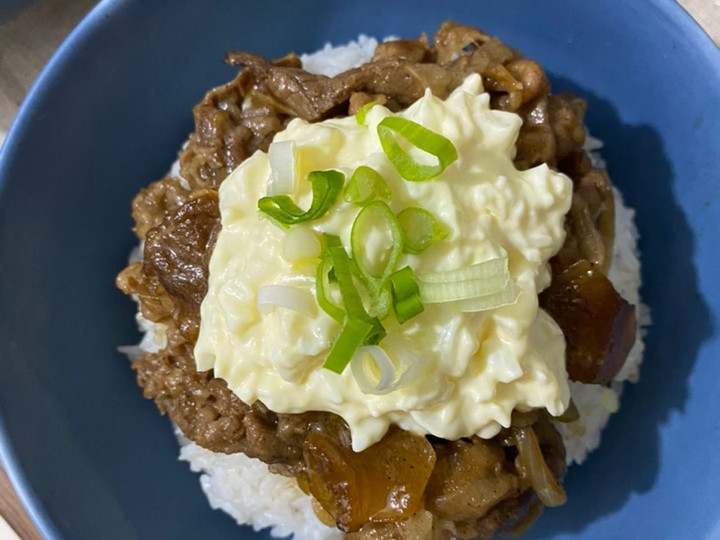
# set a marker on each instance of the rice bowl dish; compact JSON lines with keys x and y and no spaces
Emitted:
{"x":232,"y":481}
{"x":66,"y":231}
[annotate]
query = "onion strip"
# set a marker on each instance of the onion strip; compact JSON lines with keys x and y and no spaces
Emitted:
{"x":363,"y":372}
{"x":282,"y":168}
{"x":505,"y":297}
{"x":293,"y":298}
{"x":532,"y":462}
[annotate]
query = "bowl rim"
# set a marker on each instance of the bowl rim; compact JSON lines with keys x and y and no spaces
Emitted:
{"x":101,"y":14}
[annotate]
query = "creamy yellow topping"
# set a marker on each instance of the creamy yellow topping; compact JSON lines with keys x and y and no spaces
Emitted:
{"x":473,"y":369}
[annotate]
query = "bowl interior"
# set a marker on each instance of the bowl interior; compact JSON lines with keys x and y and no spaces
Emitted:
{"x":92,"y":459}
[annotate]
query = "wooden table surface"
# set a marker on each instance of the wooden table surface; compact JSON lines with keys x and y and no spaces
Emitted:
{"x":26,"y":43}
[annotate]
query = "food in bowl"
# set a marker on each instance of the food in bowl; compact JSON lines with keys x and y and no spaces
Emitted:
{"x":393,"y":300}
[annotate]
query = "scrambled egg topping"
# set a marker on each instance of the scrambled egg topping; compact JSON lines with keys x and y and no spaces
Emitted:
{"x":471,"y":370}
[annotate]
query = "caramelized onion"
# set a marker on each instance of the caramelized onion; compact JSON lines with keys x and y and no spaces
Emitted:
{"x":383,"y":483}
{"x":531,"y":463}
{"x":598,"y":324}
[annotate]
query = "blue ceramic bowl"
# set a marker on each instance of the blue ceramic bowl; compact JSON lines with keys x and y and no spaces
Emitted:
{"x":92,"y":459}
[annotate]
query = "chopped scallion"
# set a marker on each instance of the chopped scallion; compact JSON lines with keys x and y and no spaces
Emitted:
{"x":406,"y":297}
{"x":362,"y":112}
{"x":322,"y":288}
{"x":491,"y":269}
{"x":479,"y":287}
{"x":366,"y":185}
{"x":420,"y":229}
{"x":505,"y":297}
{"x":339,"y":262}
{"x":352,"y":336}
{"x":373,"y":219}
{"x":343,"y":271}
{"x":424,"y":139}
{"x":326,"y":186}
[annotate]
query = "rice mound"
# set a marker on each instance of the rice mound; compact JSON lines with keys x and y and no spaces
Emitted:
{"x":244,"y":487}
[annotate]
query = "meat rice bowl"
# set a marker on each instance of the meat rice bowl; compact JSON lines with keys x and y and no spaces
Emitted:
{"x":398,"y":444}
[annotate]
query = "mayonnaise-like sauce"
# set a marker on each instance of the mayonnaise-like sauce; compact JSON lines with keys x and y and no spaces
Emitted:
{"x":472,"y":369}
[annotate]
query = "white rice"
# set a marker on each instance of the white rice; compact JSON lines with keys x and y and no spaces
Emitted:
{"x":252,"y":495}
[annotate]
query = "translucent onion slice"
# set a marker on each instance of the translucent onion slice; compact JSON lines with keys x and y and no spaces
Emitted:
{"x":282,"y":168}
{"x":373,"y":370}
{"x":483,"y":270}
{"x":482,"y":279}
{"x":479,"y":287}
{"x":531,"y":460}
{"x":434,"y":293}
{"x":505,"y":297}
{"x":271,"y":296}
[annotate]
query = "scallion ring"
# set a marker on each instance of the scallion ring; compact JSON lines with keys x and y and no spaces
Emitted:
{"x":376,"y":224}
{"x":373,"y":370}
{"x":424,"y":139}
{"x":478,"y":287}
{"x":366,"y":185}
{"x":420,"y":229}
{"x":326,"y":186}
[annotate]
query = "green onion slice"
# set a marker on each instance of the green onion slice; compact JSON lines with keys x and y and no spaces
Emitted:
{"x":407,"y":308}
{"x":352,"y":336}
{"x":366,"y":185}
{"x":270,"y":296}
{"x":505,"y":297}
{"x":423,"y":138}
{"x":359,"y":328}
{"x":281,"y":156}
{"x":380,"y":303}
{"x":478,"y":287}
{"x":362,"y":112}
{"x":325,"y":277}
{"x":420,"y":229}
{"x":491,"y":269}
{"x":404,"y":283}
{"x":326,"y":186}
{"x":406,"y":297}
{"x":376,"y":219}
{"x":343,"y":270}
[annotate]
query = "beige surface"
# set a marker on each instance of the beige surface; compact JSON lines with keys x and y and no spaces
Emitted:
{"x":26,"y":44}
